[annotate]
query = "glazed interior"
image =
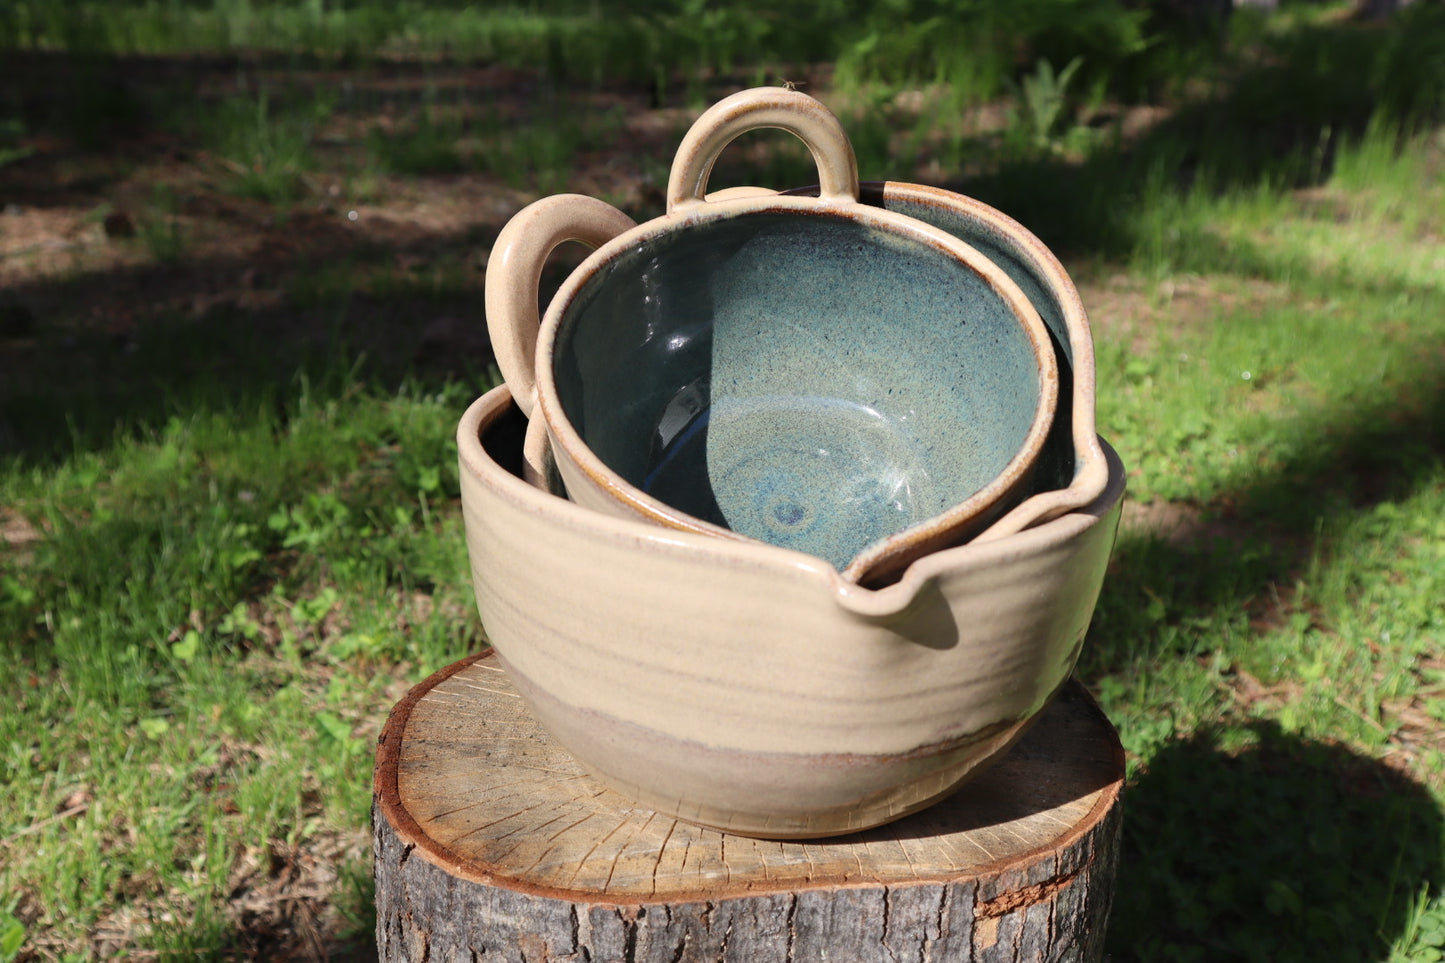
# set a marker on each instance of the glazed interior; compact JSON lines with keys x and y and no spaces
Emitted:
{"x":813,"y":381}
{"x":1056,"y":465}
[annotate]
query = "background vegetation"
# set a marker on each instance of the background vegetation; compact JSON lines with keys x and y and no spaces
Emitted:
{"x":241,"y":256}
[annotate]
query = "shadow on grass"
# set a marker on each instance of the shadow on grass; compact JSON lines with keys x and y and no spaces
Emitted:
{"x":1275,"y":124}
{"x":70,"y":387}
{"x":290,"y":944}
{"x":297,"y":295}
{"x":1283,"y":849}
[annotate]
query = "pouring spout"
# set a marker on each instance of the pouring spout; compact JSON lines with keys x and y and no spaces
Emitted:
{"x":915,"y":608}
{"x":884,"y":603}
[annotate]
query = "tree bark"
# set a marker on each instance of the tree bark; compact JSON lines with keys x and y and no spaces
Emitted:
{"x":493,"y":846}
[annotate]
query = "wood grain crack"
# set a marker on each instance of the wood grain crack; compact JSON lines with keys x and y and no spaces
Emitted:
{"x":792,"y":926}
{"x":887,"y":923}
{"x":1015,"y":900}
{"x":629,"y":931}
{"x":679,"y":952}
{"x":722,"y":950}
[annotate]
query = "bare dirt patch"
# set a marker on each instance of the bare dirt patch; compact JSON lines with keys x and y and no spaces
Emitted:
{"x":106,"y":229}
{"x":1127,"y":306}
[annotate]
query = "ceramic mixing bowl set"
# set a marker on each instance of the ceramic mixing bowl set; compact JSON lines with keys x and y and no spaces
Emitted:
{"x":791,"y":513}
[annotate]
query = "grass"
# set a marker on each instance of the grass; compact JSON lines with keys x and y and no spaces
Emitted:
{"x":228,"y":497}
{"x":1272,"y":652}
{"x":206,"y":630}
{"x":268,"y":150}
{"x":532,"y":151}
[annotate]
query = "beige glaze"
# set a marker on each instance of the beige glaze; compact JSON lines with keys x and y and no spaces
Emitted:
{"x":520,"y":251}
{"x":516,"y":263}
{"x":751,"y":688}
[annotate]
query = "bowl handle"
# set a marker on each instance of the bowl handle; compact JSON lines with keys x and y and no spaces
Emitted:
{"x":514,"y":271}
{"x":760,"y":107}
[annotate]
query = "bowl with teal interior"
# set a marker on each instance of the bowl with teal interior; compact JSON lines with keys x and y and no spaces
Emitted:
{"x":861,"y":388}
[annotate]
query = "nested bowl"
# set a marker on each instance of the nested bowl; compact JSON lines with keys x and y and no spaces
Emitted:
{"x":814,"y":373}
{"x":798,"y":377}
{"x":752,"y":688}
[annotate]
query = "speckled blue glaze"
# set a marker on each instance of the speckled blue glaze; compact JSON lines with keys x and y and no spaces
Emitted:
{"x":1056,"y":461}
{"x":809,"y":381}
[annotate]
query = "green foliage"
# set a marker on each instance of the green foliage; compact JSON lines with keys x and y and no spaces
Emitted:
{"x":159,"y":230}
{"x":964,"y":43}
{"x":12,"y":938}
{"x":459,"y":132}
{"x":267,"y":143}
{"x":1424,"y":937}
{"x":1261,"y":658}
{"x":190,"y":580}
{"x":975,"y":47}
{"x":1042,"y":102}
{"x":1269,"y":849}
{"x":11,"y":149}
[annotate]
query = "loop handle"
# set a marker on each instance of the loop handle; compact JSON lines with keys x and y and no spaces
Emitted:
{"x":760,"y":107}
{"x":514,"y":272}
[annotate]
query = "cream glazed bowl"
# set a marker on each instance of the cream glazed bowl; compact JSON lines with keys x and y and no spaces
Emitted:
{"x":752,"y":688}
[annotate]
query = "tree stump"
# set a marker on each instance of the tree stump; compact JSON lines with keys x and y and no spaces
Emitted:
{"x":492,"y":845}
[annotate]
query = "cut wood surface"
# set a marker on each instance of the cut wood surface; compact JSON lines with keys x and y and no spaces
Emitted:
{"x":491,"y":839}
